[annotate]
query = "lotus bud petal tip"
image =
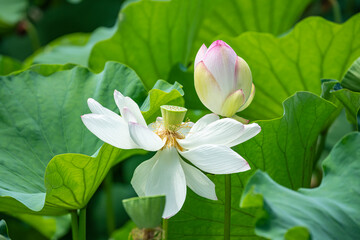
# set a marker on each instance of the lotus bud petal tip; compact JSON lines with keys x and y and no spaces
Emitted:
{"x":229,"y":74}
{"x":200,"y":54}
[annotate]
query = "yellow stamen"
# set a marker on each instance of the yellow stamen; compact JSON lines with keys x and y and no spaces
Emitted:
{"x":169,"y":136}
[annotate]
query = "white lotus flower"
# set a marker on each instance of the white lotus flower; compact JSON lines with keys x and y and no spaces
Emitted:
{"x":205,"y":144}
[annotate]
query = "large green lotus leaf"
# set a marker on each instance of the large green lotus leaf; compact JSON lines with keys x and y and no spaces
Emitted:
{"x":68,"y":176}
{"x":284,"y":148}
{"x":233,"y":17}
{"x":315,"y":49}
{"x":163,"y":93}
{"x":11,"y":11}
{"x":169,"y":21}
{"x":330,"y":211}
{"x":152,"y":36}
{"x":71,"y":179}
{"x":72,"y":48}
{"x":40,"y":120}
{"x":8,"y":65}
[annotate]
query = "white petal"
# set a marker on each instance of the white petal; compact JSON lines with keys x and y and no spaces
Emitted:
{"x":199,"y":182}
{"x":250,"y":131}
{"x":221,"y":132}
{"x":112,"y":130}
{"x":158,"y":125}
{"x":144,"y":137}
{"x":200,"y":54}
{"x":167,"y":178}
{"x":216,"y":159}
{"x":249,"y":100}
{"x":208,"y":89}
{"x":204,"y":121}
{"x":122,"y":102}
{"x":97,"y":108}
{"x":243,"y":76}
{"x":128,"y":115}
{"x":141,"y":175}
{"x":185,"y":128}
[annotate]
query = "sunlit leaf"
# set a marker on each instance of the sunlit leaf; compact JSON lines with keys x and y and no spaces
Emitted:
{"x":152,"y":36}
{"x":233,"y":17}
{"x":71,"y":179}
{"x":161,"y":93}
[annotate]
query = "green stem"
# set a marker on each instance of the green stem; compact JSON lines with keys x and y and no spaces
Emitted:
{"x":82,"y":224}
{"x":110,"y":216}
{"x":336,"y":10}
{"x":165,"y":228}
{"x":227,"y":216}
{"x":33,"y":35}
{"x":74,"y":225}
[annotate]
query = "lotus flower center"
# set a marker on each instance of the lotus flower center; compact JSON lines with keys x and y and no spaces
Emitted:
{"x":170,"y":138}
{"x":172,"y":123}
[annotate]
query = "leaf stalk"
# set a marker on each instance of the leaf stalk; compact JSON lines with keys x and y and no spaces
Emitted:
{"x":165,"y":229}
{"x":74,"y":225}
{"x":336,"y":11}
{"x":227,"y":212}
{"x":82,"y":224}
{"x":110,"y":217}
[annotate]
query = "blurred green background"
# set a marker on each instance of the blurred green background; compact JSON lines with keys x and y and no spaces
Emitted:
{"x":26,"y":25}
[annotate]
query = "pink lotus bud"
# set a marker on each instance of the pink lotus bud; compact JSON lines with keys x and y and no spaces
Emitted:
{"x":223,"y":80}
